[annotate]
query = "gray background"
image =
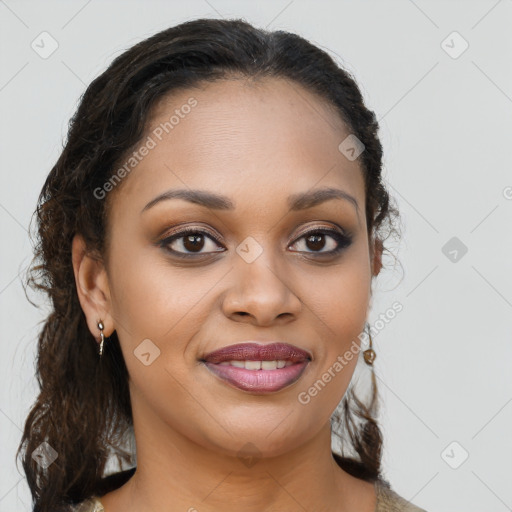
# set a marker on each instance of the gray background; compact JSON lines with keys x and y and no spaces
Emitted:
{"x":444,"y":362}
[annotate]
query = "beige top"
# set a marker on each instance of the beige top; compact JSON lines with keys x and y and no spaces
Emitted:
{"x":387,"y":501}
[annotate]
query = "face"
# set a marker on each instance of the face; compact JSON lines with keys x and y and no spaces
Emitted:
{"x":188,"y":276}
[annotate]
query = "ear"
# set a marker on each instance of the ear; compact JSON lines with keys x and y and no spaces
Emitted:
{"x":378,"y":248}
{"x":92,"y":288}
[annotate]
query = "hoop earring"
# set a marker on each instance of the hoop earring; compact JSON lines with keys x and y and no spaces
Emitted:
{"x":101,"y":327}
{"x":369,"y":354}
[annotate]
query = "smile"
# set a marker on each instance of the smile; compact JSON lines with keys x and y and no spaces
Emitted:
{"x":258,"y":368}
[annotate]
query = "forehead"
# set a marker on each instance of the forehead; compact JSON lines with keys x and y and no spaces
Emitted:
{"x":241,"y":137}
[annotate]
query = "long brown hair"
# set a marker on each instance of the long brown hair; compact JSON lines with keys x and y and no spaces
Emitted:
{"x":83,"y":412}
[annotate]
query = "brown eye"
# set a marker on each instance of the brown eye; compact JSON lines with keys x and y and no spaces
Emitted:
{"x":191,"y":242}
{"x":323,"y":241}
{"x":316,"y":242}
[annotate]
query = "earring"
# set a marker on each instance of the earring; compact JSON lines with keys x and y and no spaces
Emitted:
{"x":101,"y":327}
{"x":369,"y":354}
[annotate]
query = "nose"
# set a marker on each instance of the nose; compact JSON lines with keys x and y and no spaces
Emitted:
{"x":260,"y":295}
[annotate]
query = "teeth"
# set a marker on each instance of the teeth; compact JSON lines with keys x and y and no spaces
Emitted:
{"x":251,"y":365}
{"x":257,"y":365}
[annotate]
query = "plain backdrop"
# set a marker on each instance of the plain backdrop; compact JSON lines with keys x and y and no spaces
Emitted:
{"x":438,"y":75}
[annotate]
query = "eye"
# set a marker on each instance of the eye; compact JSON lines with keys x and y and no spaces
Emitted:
{"x":191,"y":241}
{"x":317,"y":240}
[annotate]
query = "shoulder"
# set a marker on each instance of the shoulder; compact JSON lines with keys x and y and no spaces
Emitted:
{"x":89,"y":505}
{"x":389,"y":501}
{"x":107,"y":484}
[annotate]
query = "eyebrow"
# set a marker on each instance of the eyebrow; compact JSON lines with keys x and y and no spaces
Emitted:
{"x":296,"y":202}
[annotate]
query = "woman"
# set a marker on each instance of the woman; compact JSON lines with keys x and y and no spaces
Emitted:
{"x":208,"y":238}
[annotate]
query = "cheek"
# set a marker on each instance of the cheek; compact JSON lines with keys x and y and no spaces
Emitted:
{"x":154,"y":301}
{"x":152,"y":298}
{"x":340,"y":298}
{"x":339,"y":305}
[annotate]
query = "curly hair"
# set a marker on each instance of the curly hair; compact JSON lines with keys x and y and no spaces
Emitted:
{"x":83,"y":410}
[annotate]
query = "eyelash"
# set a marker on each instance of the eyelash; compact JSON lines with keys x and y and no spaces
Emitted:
{"x":343,"y":241}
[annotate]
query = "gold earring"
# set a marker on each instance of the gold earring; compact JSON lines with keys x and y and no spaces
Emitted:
{"x":101,"y":327}
{"x":369,"y":354}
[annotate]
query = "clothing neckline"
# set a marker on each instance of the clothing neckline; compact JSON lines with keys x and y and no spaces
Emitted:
{"x":381,"y":487}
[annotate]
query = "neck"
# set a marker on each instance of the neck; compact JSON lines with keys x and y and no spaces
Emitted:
{"x":174,"y":473}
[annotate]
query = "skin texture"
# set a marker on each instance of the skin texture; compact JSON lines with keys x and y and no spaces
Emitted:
{"x":257,"y":143}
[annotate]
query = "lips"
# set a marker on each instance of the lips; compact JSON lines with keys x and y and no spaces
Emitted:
{"x":258,"y":352}
{"x":287,"y":365}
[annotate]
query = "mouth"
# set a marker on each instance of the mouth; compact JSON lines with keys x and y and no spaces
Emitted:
{"x":257,"y":368}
